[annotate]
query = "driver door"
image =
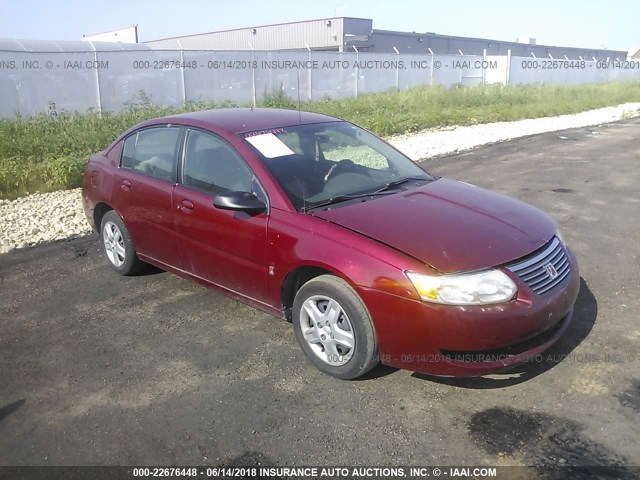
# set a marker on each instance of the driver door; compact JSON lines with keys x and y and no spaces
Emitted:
{"x":227,"y":248}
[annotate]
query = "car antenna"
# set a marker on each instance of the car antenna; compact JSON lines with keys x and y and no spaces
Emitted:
{"x":304,"y":200}
{"x":299,"y":114}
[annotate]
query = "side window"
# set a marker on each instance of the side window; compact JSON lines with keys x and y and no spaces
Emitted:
{"x":210,"y":164}
{"x":152,"y":151}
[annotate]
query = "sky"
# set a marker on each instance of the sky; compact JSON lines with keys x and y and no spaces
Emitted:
{"x":613,"y":24}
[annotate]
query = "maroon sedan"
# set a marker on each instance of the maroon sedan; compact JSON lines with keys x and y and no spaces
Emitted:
{"x":315,"y":220}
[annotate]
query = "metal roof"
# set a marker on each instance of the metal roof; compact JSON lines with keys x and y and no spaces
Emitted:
{"x":46,"y":46}
{"x":267,"y":25}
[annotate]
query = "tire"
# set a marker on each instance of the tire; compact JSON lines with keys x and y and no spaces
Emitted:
{"x":117,"y":246}
{"x":343,"y":343}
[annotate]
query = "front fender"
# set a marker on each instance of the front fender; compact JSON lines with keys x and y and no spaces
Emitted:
{"x":297,"y":240}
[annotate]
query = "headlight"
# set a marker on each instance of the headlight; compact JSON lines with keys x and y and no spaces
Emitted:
{"x":560,"y":237}
{"x":491,"y":286}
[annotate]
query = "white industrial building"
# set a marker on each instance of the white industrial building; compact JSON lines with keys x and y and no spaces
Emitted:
{"x":122,"y":35}
{"x":342,"y":34}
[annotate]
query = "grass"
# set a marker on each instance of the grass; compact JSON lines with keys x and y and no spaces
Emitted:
{"x":46,"y":153}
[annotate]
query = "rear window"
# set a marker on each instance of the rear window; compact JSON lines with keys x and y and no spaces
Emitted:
{"x":152,"y":151}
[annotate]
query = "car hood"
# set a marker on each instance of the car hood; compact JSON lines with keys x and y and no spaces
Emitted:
{"x":449,"y":225}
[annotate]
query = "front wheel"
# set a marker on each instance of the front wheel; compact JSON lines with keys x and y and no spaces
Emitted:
{"x":117,"y":246}
{"x":334,"y":328}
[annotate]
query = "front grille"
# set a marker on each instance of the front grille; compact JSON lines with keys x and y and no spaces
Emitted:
{"x":544,"y":270}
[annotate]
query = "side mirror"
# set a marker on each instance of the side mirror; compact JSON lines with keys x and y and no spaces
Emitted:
{"x":239,"y":201}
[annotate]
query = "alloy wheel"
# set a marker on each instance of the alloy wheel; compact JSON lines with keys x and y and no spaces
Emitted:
{"x":113,"y":244}
{"x":327,"y":329}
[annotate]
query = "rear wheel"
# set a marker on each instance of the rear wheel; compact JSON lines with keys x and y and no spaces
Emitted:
{"x":334,"y":328}
{"x":117,"y":246}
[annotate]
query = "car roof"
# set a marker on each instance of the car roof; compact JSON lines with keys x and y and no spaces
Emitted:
{"x":239,"y":120}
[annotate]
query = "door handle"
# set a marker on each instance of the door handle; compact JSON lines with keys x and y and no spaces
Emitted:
{"x":126,"y":185}
{"x":186,"y":206}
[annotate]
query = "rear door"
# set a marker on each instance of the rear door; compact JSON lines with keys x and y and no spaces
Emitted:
{"x":142,"y":192}
{"x":225,"y":247}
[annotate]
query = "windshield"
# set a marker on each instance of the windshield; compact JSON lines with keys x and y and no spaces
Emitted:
{"x":326,"y":163}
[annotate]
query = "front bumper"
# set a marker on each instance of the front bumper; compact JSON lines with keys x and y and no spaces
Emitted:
{"x":471,"y":341}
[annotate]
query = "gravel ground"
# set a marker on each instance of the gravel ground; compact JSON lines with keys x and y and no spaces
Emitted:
{"x":432,"y":143}
{"x":45,"y":217}
{"x":40,"y":218}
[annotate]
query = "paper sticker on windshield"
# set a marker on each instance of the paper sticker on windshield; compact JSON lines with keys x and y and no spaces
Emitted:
{"x":269,"y":145}
{"x":260,"y":132}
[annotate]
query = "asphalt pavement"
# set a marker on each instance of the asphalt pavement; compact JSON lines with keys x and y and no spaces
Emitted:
{"x":97,"y":369}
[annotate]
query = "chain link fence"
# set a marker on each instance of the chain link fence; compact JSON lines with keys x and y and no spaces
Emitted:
{"x":103,"y":80}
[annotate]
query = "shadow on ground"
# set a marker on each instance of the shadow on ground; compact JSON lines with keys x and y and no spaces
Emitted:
{"x":10,"y":408}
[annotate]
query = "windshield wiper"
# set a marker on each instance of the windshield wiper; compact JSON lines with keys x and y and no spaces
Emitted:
{"x":341,"y":198}
{"x":385,"y":190}
{"x":400,"y":181}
